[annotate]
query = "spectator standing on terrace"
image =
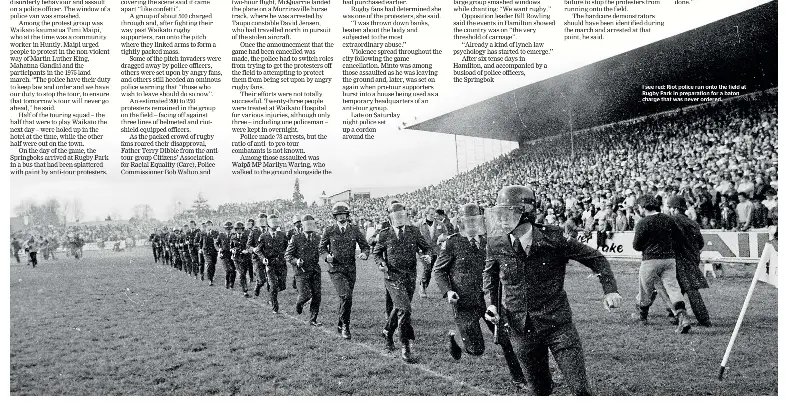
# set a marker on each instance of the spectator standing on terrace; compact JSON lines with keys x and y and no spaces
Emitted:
{"x":746,"y":186}
{"x":744,"y":210}
{"x":621,"y":220}
{"x":443,"y":218}
{"x":759,"y":213}
{"x":727,"y":214}
{"x":771,"y":197}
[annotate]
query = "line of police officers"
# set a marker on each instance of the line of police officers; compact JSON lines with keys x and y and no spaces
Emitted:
{"x":506,"y":258}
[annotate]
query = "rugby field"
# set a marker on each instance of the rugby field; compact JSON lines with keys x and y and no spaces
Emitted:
{"x":116,"y":323}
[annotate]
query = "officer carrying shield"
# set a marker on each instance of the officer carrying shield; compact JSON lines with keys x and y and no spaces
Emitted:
{"x":528,"y":261}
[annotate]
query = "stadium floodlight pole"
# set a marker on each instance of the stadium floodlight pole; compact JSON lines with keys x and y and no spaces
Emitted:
{"x":570,"y":123}
{"x":455,"y":143}
{"x":759,"y":269}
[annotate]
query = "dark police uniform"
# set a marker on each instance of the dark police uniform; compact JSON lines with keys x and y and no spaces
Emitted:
{"x":224,"y":252}
{"x":185,"y":251}
{"x":308,"y":277}
{"x":292,"y":232}
{"x":174,"y":243}
{"x":439,"y":229}
{"x":398,"y":252}
{"x":343,"y":273}
{"x":194,"y":241}
{"x":155,"y":240}
{"x":257,"y":268}
{"x":241,"y":259}
{"x":210,"y":253}
{"x":273,"y":246}
{"x":536,"y":305}
{"x":459,"y":268}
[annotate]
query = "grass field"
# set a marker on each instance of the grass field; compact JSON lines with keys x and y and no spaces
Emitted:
{"x":119,"y":324}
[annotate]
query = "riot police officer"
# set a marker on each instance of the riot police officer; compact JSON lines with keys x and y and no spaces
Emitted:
{"x":528,"y":262}
{"x":458,"y":273}
{"x":240,"y":256}
{"x":396,"y":254}
{"x":209,"y":250}
{"x":222,"y":244}
{"x":338,"y":243}
{"x":303,"y":254}
{"x":271,"y":248}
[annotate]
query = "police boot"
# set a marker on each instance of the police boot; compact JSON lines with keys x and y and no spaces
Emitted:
{"x":274,"y":304}
{"x":256,"y":290}
{"x":389,"y":344}
{"x":345,"y":332}
{"x":406,"y":351}
{"x":455,"y":349}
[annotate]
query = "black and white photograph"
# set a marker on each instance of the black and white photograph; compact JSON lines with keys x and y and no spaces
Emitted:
{"x":392,"y":198}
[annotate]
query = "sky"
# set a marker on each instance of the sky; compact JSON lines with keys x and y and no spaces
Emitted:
{"x":396,"y":159}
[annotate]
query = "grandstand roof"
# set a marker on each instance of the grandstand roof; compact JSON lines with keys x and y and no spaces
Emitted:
{"x":737,"y":50}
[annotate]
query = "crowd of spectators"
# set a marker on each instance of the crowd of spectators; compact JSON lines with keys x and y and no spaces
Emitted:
{"x":88,"y":233}
{"x":722,"y":157}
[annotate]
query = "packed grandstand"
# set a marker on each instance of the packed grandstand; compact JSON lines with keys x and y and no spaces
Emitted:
{"x":710,"y":154}
{"x":722,"y":157}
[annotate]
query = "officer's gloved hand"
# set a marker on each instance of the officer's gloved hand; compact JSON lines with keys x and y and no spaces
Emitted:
{"x":329,"y":258}
{"x":612,"y":300}
{"x":264,"y":261}
{"x":491,"y":314}
{"x":364,"y":256}
{"x":383,"y":266}
{"x":453,"y":297}
{"x":427,"y":259}
{"x":299,"y":263}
